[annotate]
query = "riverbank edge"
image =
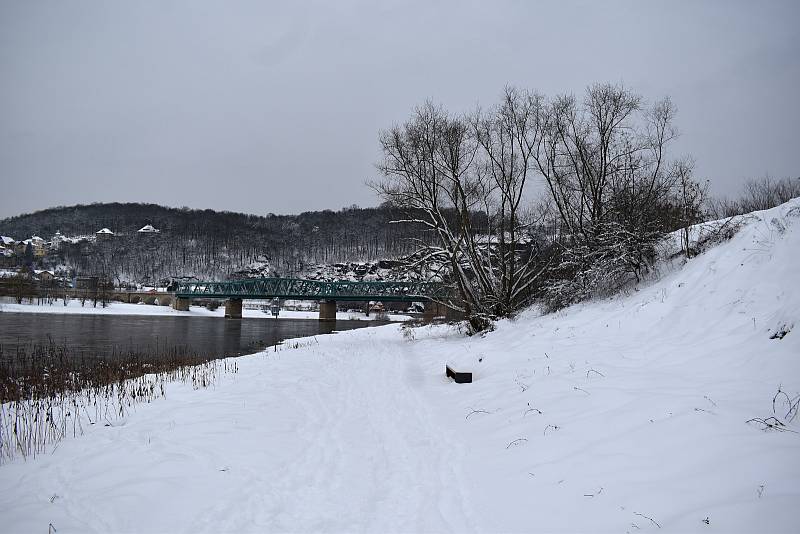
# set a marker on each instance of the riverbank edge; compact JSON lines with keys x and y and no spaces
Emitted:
{"x":122,"y":308}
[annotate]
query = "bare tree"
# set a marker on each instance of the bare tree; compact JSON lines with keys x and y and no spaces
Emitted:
{"x":443,"y":170}
{"x":691,"y":196}
{"x":507,"y":135}
{"x":603,"y":159}
{"x":426,"y":168}
{"x":605,"y":162}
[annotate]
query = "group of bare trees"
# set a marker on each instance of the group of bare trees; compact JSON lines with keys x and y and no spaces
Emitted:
{"x":758,"y":194}
{"x":576,"y":194}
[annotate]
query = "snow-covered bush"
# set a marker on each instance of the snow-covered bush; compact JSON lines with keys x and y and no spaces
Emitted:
{"x":599,"y":265}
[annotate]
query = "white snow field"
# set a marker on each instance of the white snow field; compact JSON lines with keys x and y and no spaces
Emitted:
{"x":620,"y":415}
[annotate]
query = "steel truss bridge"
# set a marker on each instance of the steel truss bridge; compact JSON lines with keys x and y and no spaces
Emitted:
{"x":293,"y":288}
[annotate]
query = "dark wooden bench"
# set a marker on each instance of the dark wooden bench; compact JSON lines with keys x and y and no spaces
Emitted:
{"x":460,"y":378}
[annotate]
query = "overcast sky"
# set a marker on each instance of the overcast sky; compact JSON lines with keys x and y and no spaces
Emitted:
{"x":276,"y":106}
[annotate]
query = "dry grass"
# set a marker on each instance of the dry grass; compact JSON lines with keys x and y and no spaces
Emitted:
{"x":48,"y":393}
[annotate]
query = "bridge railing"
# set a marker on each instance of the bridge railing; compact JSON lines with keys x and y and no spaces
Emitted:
{"x":295,"y":288}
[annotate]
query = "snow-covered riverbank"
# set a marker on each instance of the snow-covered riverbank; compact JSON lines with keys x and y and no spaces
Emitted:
{"x":7,"y":304}
{"x":622,"y":415}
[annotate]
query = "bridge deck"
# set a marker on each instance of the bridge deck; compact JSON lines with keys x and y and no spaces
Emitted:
{"x":294,"y":288}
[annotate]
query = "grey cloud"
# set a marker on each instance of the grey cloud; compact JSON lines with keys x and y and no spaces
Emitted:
{"x":275,"y":107}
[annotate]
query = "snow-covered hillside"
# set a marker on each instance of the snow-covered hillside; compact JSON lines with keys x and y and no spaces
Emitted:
{"x":622,"y":415}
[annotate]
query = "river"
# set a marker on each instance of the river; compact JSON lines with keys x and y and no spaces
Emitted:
{"x":102,"y":335}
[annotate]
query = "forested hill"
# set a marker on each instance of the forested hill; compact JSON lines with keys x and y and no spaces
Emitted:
{"x":210,"y":243}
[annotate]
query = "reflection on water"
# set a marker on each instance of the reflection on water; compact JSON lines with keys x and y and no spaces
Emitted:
{"x":102,"y":335}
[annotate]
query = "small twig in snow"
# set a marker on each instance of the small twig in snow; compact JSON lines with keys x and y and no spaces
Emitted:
{"x":516,"y":442}
{"x":576,"y":388}
{"x":794,"y":404}
{"x":554,"y":427}
{"x":537,"y":410}
{"x":522,"y":385}
{"x":474,"y":412}
{"x":594,"y":371}
{"x":709,"y":400}
{"x":770,"y":423}
{"x":760,"y":490}
{"x":650,"y":518}
{"x":594,"y":494}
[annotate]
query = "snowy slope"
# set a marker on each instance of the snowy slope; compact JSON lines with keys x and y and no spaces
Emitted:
{"x":621,"y":415}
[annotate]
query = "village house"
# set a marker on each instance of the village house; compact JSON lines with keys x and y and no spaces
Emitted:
{"x":44,"y":275}
{"x":38,"y":246}
{"x":85,"y":282}
{"x":7,"y":257}
{"x":104,"y":234}
{"x":57,"y":240}
{"x":148,"y":229}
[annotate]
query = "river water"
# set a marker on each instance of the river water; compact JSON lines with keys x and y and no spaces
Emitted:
{"x":103,"y":335}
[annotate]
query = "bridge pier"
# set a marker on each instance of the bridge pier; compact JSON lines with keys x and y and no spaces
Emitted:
{"x":433,"y":310}
{"x":181,"y":304}
{"x":327,"y":310}
{"x":233,"y":308}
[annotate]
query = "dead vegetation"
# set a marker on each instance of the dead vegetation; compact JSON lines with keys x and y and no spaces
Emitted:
{"x":48,"y":393}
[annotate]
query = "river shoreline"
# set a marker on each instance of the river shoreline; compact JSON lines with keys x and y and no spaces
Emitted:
{"x":122,"y":308}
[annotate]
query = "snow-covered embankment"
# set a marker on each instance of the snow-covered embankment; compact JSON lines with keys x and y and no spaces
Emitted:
{"x":627,"y":414}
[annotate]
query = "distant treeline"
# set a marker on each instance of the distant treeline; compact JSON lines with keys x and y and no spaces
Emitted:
{"x":208,"y":243}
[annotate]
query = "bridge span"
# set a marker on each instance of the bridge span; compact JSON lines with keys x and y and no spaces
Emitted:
{"x":327,"y":292}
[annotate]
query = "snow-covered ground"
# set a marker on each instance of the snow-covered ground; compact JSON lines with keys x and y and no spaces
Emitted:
{"x":7,"y":304}
{"x":621,"y":415}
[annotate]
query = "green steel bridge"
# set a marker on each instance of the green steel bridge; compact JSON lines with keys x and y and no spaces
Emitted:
{"x":294,"y":288}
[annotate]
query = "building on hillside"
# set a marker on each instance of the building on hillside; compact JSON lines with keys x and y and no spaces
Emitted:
{"x":104,"y":234}
{"x":148,"y":229}
{"x":7,"y":257}
{"x":7,"y":242}
{"x":86,"y":282}
{"x":44,"y":275}
{"x":57,"y":240}
{"x":38,"y":246}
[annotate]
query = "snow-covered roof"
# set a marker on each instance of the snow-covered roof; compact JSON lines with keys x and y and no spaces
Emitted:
{"x":106,"y":231}
{"x":486,"y":239}
{"x":7,"y":240}
{"x":149,"y":229}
